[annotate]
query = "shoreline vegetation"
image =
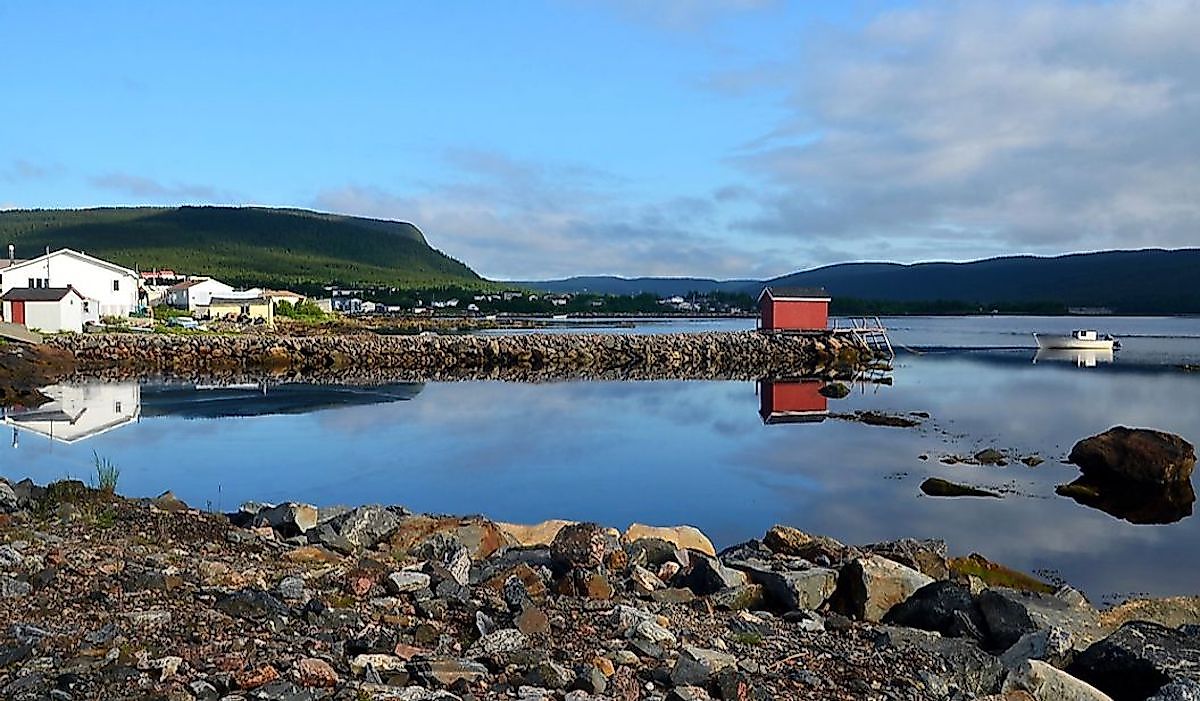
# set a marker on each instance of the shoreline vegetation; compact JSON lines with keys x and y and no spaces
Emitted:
{"x":113,"y":597}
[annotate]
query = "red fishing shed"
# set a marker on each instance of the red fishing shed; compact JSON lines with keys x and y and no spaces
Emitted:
{"x":794,"y":309}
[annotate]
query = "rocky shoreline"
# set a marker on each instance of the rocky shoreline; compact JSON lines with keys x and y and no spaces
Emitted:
{"x":106,"y":597}
{"x":747,"y":354}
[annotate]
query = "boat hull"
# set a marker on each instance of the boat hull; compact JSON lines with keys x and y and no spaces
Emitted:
{"x":1072,"y":343}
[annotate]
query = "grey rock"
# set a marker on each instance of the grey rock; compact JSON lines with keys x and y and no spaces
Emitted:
{"x":292,"y":588}
{"x":499,"y":642}
{"x":868,"y":587}
{"x":971,"y":672}
{"x":8,"y":499}
{"x":250,"y":603}
{"x":794,"y":589}
{"x":1183,"y":690}
{"x":1052,"y":645}
{"x":706,"y":575}
{"x":697,"y":666}
{"x":1047,"y":683}
{"x":406,"y":581}
{"x":1139,"y":659}
{"x":926,"y":556}
{"x":203,"y":691}
{"x":13,"y":588}
{"x":688,"y":693}
{"x":550,"y":675}
{"x":365,"y":526}
{"x":288,"y":519}
{"x":10,"y":558}
{"x":1010,"y":614}
{"x":447,"y":556}
{"x":945,"y":607}
{"x":446,"y":671}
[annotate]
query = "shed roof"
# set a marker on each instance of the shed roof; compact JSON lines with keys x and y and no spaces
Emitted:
{"x":795,"y":293}
{"x":39,"y":294}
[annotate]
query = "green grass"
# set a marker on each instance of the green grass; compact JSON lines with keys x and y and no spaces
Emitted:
{"x":107,"y":473}
{"x":243,"y":245}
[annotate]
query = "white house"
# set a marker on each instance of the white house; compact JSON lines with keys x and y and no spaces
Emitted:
{"x":78,"y":412}
{"x":49,"y":309}
{"x":196,"y":293}
{"x":113,"y":288}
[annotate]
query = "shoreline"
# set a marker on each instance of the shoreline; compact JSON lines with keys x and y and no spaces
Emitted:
{"x":114,"y":597}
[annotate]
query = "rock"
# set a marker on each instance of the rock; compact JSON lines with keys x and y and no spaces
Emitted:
{"x":288,"y":519}
{"x":653,"y":632}
{"x":10,"y":558}
{"x":739,"y":598}
{"x":868,"y":587}
{"x":551,"y":675}
{"x":292,"y":588}
{"x":1183,"y":690}
{"x":1135,"y":455}
{"x":683,"y":537}
{"x":313,"y":672}
{"x":797,"y":589}
{"x":532,"y":621}
{"x":1138,"y":659}
{"x":706,"y":575}
{"x":481,"y":537}
{"x":250,"y":603}
{"x":1052,"y":645}
{"x":359,"y":664}
{"x":13,"y":588}
{"x":1032,"y":460}
{"x":254,"y":678}
{"x":1045,"y":683}
{"x":697,"y":666}
{"x":533,"y":535}
{"x":991,"y":456}
{"x":406,"y":581}
{"x":834,"y":390}
{"x":1010,"y":614}
{"x":925,"y":556}
{"x":688,"y":693}
{"x":582,"y":545}
{"x":1171,"y":612}
{"x":447,"y":556}
{"x":970,"y":670}
{"x":656,"y":553}
{"x":447,"y":671}
{"x":311,"y":554}
{"x":8,"y":499}
{"x":643,"y":580}
{"x":975,"y":569}
{"x":942,"y":606}
{"x":363,"y":527}
{"x":938,"y":487}
{"x":499,"y":642}
{"x":786,"y":540}
{"x":673,"y":596}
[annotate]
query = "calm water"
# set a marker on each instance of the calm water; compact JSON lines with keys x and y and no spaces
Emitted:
{"x":706,"y":453}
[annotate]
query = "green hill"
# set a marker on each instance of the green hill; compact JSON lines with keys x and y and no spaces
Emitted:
{"x":242,"y":245}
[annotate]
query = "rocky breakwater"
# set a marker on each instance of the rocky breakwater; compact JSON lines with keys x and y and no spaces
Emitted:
{"x":106,"y":597}
{"x":734,"y":355}
{"x":1137,"y":474}
{"x":26,"y":368}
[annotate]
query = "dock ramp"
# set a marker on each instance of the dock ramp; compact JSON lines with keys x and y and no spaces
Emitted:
{"x":16,"y":332}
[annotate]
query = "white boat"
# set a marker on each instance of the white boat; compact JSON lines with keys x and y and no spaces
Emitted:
{"x":1081,"y":358}
{"x":1077,"y":340}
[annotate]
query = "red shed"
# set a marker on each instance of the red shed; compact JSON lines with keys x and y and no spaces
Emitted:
{"x":794,"y":309}
{"x":792,"y":401}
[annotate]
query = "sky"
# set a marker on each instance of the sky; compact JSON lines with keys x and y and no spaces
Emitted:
{"x":547,"y":138}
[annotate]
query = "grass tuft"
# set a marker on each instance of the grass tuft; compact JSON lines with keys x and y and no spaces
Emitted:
{"x":107,"y":473}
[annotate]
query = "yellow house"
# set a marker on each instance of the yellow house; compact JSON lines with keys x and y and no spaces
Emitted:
{"x":250,"y":307}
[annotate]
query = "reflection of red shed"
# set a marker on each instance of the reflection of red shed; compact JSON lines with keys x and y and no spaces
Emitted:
{"x":792,"y":401}
{"x":794,"y":309}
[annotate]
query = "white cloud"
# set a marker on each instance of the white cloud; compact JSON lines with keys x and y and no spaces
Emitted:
{"x":965,"y":129}
{"x":148,"y":188}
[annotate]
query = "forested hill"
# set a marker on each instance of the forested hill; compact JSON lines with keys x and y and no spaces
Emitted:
{"x":1152,"y":281}
{"x":241,"y":245}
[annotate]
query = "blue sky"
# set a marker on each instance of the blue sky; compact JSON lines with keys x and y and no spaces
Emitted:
{"x":724,"y":138}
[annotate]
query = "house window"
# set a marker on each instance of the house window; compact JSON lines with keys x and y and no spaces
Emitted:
{"x":116,"y":285}
{"x":117,"y":407}
{"x":246,"y":310}
{"x":85,"y":306}
{"x":30,"y":285}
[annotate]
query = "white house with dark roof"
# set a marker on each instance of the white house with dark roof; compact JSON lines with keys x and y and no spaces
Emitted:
{"x":112,"y":288}
{"x":50,"y":309}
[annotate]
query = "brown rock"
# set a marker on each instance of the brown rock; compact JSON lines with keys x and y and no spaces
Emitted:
{"x":597,"y":586}
{"x":786,"y":540}
{"x":583,"y":545}
{"x":532,"y":621}
{"x":481,"y":536}
{"x":316,"y":673}
{"x":1135,"y":455}
{"x":533,"y":534}
{"x":684,"y":537}
{"x":311,"y":554}
{"x":254,"y":678}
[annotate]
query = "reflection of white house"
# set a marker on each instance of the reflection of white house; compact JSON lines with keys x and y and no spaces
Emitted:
{"x":50,"y":309}
{"x":115,"y":289}
{"x":196,"y":293}
{"x":78,"y":412}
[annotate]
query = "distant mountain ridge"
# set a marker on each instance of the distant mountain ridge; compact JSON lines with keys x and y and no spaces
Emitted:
{"x":1128,"y":281}
{"x":252,"y":245}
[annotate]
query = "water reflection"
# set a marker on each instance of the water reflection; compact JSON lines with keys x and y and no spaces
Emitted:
{"x":1081,"y":358}
{"x":77,"y":412}
{"x":792,"y":401}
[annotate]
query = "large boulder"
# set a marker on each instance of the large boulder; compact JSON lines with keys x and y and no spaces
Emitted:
{"x":531,"y":535}
{"x":926,"y":556}
{"x":682,"y":537}
{"x":793,"y":542}
{"x":868,"y":587}
{"x":967,"y":670}
{"x":1010,"y":614}
{"x":943,"y":606}
{"x":583,"y":545}
{"x":1046,"y":683}
{"x":362,"y":527}
{"x":706,"y":575}
{"x":288,"y":519}
{"x":481,"y":537}
{"x":1135,"y":455}
{"x":697,"y":666}
{"x":1139,"y":659}
{"x":8,"y":498}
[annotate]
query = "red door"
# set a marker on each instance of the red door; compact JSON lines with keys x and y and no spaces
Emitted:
{"x":18,"y":310}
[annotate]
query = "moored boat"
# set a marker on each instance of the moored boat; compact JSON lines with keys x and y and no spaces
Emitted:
{"x":1077,"y":340}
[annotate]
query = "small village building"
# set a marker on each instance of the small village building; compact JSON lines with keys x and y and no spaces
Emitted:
{"x":794,"y":309}
{"x":792,"y":401}
{"x":195,"y":293}
{"x":241,"y":307}
{"x":277,"y":296}
{"x":49,"y":309}
{"x":113,"y":288}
